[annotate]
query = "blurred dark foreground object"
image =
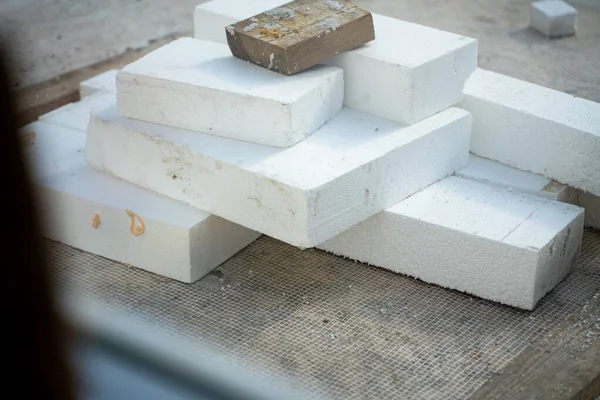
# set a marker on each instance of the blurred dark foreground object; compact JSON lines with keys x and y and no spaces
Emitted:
{"x":36,"y":342}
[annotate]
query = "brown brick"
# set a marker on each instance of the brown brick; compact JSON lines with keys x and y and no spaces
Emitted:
{"x":300,"y":34}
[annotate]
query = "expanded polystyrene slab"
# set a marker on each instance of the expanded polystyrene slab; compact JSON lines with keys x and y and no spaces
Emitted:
{"x":508,"y":247}
{"x":504,"y":176}
{"x":410,"y":79}
{"x":211,"y":17}
{"x":401,"y":80}
{"x":535,"y":129}
{"x":553,"y":18}
{"x":101,"y":83}
{"x":77,"y":115}
{"x":198,"y":85}
{"x":178,"y":241}
{"x":354,"y":167}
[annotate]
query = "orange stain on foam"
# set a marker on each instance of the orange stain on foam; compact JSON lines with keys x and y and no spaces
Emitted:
{"x":96,"y":221}
{"x":136,"y":230}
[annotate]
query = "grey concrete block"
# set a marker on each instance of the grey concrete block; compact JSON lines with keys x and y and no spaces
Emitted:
{"x":553,"y":18}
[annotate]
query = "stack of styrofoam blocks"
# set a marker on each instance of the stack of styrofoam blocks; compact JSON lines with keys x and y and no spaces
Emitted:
{"x":348,"y":170}
{"x":453,"y":233}
{"x":357,"y":180}
{"x":280,"y":154}
{"x":340,"y":165}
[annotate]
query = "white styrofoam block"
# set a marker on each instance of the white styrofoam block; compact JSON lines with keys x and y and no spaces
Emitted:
{"x":553,"y":18}
{"x":591,"y":204}
{"x":403,"y":80}
{"x":508,"y":247}
{"x":101,"y":83}
{"x":211,"y":17}
{"x":354,"y":167}
{"x":77,"y":115}
{"x":198,"y":85}
{"x":534,"y":128}
{"x":497,"y":174}
{"x":178,"y":241}
{"x":409,"y":72}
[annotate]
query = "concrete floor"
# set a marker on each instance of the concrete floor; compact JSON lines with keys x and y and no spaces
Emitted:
{"x":52,"y":37}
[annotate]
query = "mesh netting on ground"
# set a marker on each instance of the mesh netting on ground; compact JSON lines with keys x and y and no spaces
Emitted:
{"x":339,"y":328}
